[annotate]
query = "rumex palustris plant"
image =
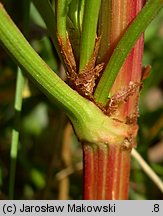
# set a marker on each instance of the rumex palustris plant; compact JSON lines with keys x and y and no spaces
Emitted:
{"x":100,"y":45}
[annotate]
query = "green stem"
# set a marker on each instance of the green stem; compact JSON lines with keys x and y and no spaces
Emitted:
{"x":62,"y":10}
{"x":89,"y":28}
{"x":123,"y":48}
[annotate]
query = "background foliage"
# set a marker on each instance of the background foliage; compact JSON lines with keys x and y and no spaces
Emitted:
{"x":49,"y":161}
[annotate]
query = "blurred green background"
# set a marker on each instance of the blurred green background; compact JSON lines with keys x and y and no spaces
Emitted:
{"x":49,"y":161}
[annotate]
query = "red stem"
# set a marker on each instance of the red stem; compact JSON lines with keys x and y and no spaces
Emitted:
{"x":106,"y":172}
{"x":107,"y":167}
{"x":89,"y":173}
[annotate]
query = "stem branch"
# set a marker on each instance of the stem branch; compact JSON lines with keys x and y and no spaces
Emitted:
{"x":89,"y":28}
{"x":123,"y":48}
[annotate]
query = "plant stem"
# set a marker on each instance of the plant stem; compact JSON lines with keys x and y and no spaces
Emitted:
{"x":106,"y":158}
{"x":61,"y":12}
{"x":89,"y":28}
{"x":106,"y":171}
{"x":111,"y":177}
{"x":88,"y":172}
{"x":123,"y":48}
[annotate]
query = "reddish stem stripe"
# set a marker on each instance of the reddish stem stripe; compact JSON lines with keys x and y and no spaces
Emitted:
{"x":101,"y":172}
{"x":124,"y":174}
{"x":132,"y":67}
{"x":110,"y":165}
{"x":110,"y":168}
{"x":116,"y":173}
{"x":88,"y":172}
{"x":110,"y":174}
